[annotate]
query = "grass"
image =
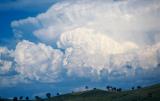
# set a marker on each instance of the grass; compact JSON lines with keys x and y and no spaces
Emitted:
{"x":151,"y":93}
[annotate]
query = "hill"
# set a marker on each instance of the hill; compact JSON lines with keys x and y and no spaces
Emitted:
{"x":151,"y":93}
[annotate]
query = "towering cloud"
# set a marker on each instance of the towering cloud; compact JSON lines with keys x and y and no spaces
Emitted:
{"x":91,"y":55}
{"x":102,"y":39}
{"x":120,"y":20}
{"x":87,"y":54}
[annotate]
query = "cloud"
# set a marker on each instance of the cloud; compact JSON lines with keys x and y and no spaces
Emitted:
{"x":38,"y":61}
{"x":6,"y":60}
{"x":11,"y":81}
{"x":97,"y":56}
{"x":87,"y":53}
{"x":28,"y":63}
{"x":98,"y":40}
{"x":84,"y":58}
{"x":120,"y":20}
{"x":5,"y":66}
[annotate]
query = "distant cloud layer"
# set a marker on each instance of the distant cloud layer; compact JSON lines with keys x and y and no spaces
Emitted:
{"x":95,"y":39}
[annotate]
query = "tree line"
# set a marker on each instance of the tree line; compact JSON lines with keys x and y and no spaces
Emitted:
{"x":48,"y":95}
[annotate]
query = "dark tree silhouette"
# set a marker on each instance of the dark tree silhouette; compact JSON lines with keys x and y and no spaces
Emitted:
{"x":15,"y":99}
{"x":108,"y":87}
{"x":72,"y":91}
{"x":119,"y":89}
{"x":86,"y":87}
{"x":27,"y":98}
{"x":21,"y":97}
{"x":132,"y":88}
{"x":114,"y":89}
{"x":58,"y":94}
{"x":48,"y":95}
{"x":94,"y":88}
{"x":138,"y":87}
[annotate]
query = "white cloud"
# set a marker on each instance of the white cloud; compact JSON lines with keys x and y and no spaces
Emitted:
{"x":101,"y":39}
{"x":38,"y":61}
{"x":50,"y":35}
{"x":5,"y":66}
{"x":89,"y":55}
{"x":121,"y":20}
{"x":11,"y":81}
{"x":6,"y":60}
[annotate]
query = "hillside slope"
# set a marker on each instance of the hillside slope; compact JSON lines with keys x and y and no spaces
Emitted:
{"x":151,"y":93}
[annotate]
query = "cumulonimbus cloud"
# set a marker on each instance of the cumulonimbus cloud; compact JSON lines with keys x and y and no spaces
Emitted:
{"x":120,"y":20}
{"x":90,"y":38}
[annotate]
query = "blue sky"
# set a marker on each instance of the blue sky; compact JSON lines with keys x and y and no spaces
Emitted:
{"x":63,"y":45}
{"x":11,"y":10}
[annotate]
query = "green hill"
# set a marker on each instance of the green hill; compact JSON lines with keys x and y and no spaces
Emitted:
{"x":151,"y":93}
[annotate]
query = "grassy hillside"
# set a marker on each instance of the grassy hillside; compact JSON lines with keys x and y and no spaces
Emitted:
{"x":151,"y":93}
{"x":144,"y":94}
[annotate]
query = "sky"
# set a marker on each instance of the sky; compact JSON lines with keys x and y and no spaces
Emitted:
{"x":63,"y":45}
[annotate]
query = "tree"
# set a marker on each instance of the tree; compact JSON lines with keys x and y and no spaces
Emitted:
{"x":119,"y":89}
{"x":138,"y":87}
{"x":132,"y":88}
{"x":94,"y":88}
{"x":27,"y":98}
{"x":48,"y":95}
{"x":86,"y":87}
{"x":114,"y":89}
{"x":21,"y":97}
{"x":15,"y":99}
{"x":58,"y":94}
{"x":108,"y":87}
